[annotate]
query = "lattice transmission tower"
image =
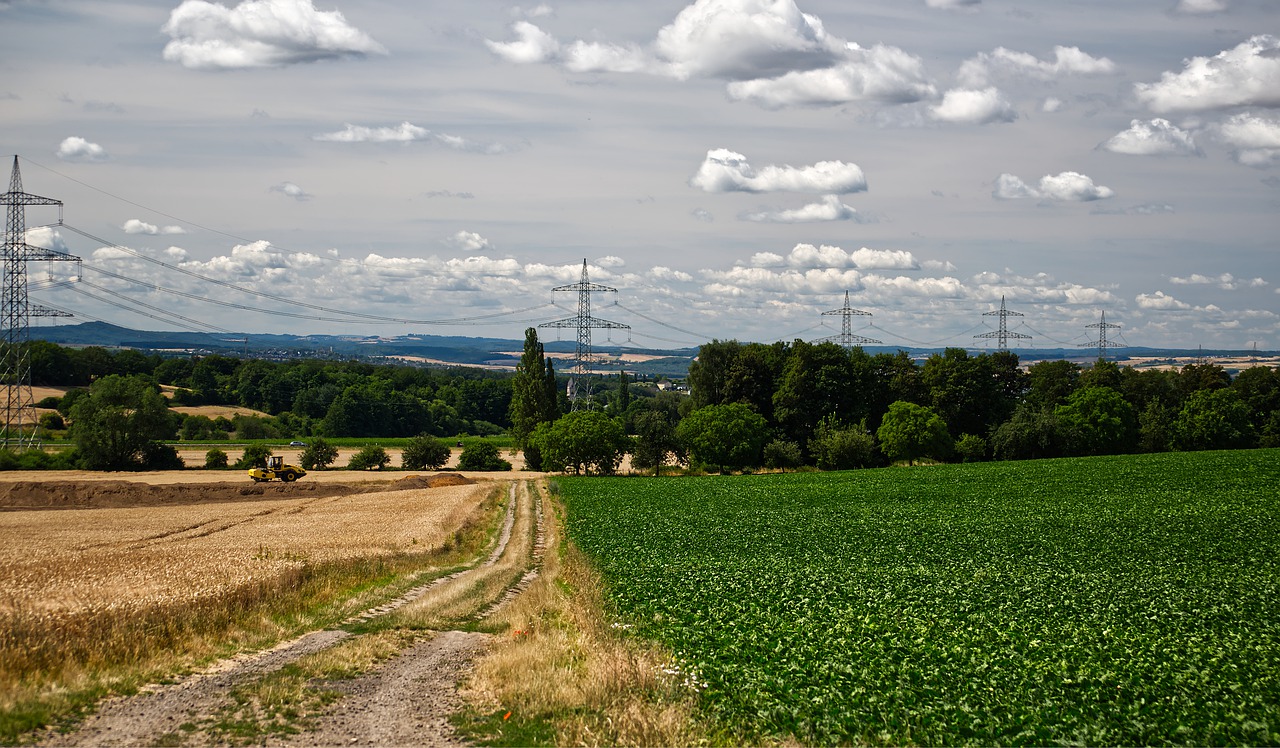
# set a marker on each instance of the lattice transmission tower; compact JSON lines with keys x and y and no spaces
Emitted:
{"x":17,"y":311}
{"x":1002,"y":334}
{"x":584,"y":323}
{"x":846,"y":337}
{"x":1102,"y":342}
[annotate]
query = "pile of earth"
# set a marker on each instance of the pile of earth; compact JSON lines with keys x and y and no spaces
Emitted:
{"x":118,"y":494}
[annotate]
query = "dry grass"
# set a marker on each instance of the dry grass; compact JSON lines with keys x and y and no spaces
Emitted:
{"x":562,"y":663}
{"x":461,"y":602}
{"x":101,"y":601}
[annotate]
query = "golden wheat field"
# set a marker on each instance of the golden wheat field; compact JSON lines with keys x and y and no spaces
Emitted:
{"x":71,"y":561}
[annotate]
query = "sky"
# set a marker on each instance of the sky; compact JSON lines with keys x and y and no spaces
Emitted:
{"x":731,"y":167}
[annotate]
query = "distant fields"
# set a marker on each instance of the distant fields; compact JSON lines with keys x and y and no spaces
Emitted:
{"x":1124,"y":600}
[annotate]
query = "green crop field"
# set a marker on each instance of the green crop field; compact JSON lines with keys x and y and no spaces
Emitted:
{"x":1123,"y":600}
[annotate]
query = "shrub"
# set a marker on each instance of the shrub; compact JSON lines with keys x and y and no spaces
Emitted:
{"x":781,"y":454}
{"x":161,"y":456}
{"x":318,"y":454}
{"x":838,"y":447}
{"x":483,"y":457}
{"x":215,"y":459}
{"x":255,"y":455}
{"x":425,"y":453}
{"x":370,"y":457}
{"x":52,"y":422}
{"x":971,"y":448}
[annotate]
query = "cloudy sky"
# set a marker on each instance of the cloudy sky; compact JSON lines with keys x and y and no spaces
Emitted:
{"x":732,"y":167}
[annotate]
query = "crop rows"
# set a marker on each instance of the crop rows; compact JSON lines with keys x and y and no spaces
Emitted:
{"x":1130,"y":600}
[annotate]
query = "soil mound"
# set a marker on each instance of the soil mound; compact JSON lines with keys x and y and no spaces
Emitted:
{"x":432,"y":481}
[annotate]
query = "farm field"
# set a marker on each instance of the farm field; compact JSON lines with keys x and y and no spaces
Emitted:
{"x":1123,"y":600}
{"x":155,"y":577}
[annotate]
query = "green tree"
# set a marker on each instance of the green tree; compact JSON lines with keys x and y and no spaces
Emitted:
{"x":482,"y":457}
{"x":1032,"y":433}
{"x":369,"y":457}
{"x":424,"y":452}
{"x":909,"y":432}
{"x":215,"y":459}
{"x":656,"y":442}
{"x":115,"y":424}
{"x":254,"y":455}
{"x":838,"y":446}
{"x":780,"y":454}
{"x":1051,"y":382}
{"x":582,"y":441}
{"x":1214,"y":419}
{"x":730,"y":436}
{"x":1097,"y":421}
{"x":533,"y":397}
{"x":319,"y":453}
{"x":971,"y":448}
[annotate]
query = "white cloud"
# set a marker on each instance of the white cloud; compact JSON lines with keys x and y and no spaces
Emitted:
{"x":773,"y":54}
{"x":830,"y":209}
{"x":1067,"y":186}
{"x":1155,"y":138}
{"x":1200,"y":7}
{"x":469,"y":241}
{"x":134,"y":226}
{"x":1256,"y":139}
{"x":661,"y":273}
{"x":807,"y":256}
{"x":46,"y":237}
{"x":532,"y":45}
{"x":78,"y":149}
{"x":744,"y":39}
{"x":260,"y":33}
{"x":1245,"y":75}
{"x":953,"y":4}
{"x":725,"y":171}
{"x":291,"y":190}
{"x":1051,"y":104}
{"x":406,"y":132}
{"x":980,"y":70}
{"x":1225,"y":281}
{"x":1159,"y":300}
{"x":964,"y":106}
{"x":880,"y":73}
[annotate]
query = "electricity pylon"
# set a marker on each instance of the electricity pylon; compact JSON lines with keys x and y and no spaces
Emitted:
{"x":1002,"y":335}
{"x":16,"y":311}
{"x":846,"y":337}
{"x":580,"y":379}
{"x":1102,"y":342}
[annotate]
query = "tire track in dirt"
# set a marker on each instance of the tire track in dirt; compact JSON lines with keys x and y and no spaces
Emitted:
{"x":156,"y":714}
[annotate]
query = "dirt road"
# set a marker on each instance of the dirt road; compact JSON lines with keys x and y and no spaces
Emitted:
{"x":405,"y":700}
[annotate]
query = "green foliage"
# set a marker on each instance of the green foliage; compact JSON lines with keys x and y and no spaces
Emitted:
{"x":424,"y":453}
{"x":909,"y":432}
{"x":730,"y":437}
{"x":215,"y":459}
{"x":52,"y":422}
{"x":160,"y":456}
{"x":1097,"y":421}
{"x":482,"y":457}
{"x":37,"y":459}
{"x":656,"y":443}
{"x":533,"y":391}
{"x":972,"y":448}
{"x":369,"y":457}
{"x":780,"y":454}
{"x":1033,"y":433}
{"x":1214,"y":419}
{"x":116,"y":422}
{"x":255,"y":455}
{"x":839,"y":447}
{"x":319,"y":453}
{"x":582,"y":441}
{"x":200,"y":428}
{"x":1098,"y":601}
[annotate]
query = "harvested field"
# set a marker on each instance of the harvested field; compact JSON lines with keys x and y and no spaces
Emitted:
{"x":171,"y":552}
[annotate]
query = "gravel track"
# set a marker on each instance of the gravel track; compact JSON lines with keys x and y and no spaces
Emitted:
{"x":404,"y":701}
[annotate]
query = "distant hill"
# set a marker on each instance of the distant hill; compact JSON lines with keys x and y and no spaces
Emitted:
{"x":502,"y":353}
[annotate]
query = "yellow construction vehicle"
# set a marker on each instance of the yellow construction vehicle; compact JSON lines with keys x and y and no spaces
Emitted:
{"x":276,"y":469}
